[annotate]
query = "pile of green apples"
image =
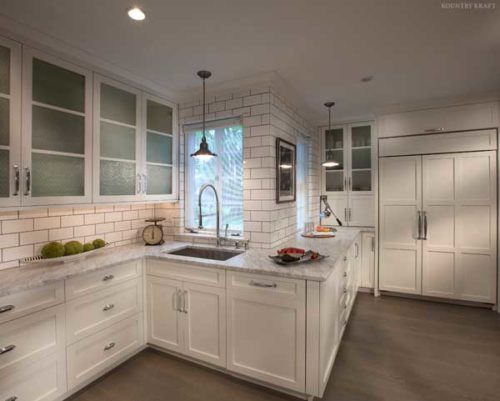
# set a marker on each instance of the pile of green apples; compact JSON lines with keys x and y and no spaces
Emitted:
{"x":57,"y":249}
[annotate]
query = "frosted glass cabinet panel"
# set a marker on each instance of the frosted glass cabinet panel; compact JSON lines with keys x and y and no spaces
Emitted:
{"x":117,"y":142}
{"x":160,"y":143}
{"x":56,"y":135}
{"x":10,"y":123}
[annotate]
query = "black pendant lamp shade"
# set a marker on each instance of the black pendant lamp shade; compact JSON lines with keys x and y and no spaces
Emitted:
{"x":330,"y":162}
{"x":203,"y":153}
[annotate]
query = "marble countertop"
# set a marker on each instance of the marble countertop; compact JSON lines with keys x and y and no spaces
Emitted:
{"x":251,"y":261}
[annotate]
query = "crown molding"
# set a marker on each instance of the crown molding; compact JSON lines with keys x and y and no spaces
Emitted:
{"x":29,"y":36}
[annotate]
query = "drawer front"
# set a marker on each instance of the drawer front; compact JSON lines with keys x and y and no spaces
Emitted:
{"x":94,"y":354}
{"x":185,"y":272}
{"x":91,"y":313}
{"x":44,"y":380}
{"x":31,"y":338}
{"x":263,"y":284}
{"x":25,"y":302}
{"x":104,"y":278}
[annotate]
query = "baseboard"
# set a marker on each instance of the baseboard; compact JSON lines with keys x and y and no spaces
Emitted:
{"x":439,"y":300}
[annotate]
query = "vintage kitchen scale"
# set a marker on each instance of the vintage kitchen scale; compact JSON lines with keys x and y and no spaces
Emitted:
{"x":153,"y":234}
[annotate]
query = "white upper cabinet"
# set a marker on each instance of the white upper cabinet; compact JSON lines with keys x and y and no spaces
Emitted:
{"x":455,"y":118}
{"x":349,"y":185}
{"x":10,"y":122}
{"x":56,"y":140}
{"x":117,"y":141}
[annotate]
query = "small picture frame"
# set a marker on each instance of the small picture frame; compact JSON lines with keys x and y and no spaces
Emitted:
{"x":285,"y":171}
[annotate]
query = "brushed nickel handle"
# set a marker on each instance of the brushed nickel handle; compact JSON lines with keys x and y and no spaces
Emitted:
{"x":419,"y":225}
{"x":263,"y":285}
{"x":7,"y":348}
{"x":425,"y":225}
{"x":27,"y":182}
{"x":108,"y":307}
{"x":345,"y":274}
{"x":108,"y":277}
{"x":17,"y":179}
{"x":356,"y":247}
{"x":345,"y":184}
{"x":109,"y":346}
{"x":434,"y":130}
{"x":6,"y":308}
{"x":350,"y":184}
{"x":350,"y":214}
{"x":185,"y":301}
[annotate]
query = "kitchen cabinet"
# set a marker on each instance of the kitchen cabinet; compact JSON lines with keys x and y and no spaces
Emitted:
{"x":368,"y":260}
{"x":188,"y":318}
{"x":266,"y":329}
{"x":438,"y":219}
{"x":444,"y":119}
{"x":349,"y":186}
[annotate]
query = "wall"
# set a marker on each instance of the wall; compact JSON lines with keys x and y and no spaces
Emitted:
{"x":265,"y":115}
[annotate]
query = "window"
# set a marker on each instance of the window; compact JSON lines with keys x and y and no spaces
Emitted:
{"x":225,"y":172}
{"x":302,"y":178}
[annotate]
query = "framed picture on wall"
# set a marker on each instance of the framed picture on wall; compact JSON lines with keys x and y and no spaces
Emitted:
{"x":285,"y":171}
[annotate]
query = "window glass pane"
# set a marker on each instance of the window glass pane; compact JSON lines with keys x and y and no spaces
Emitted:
{"x":334,"y":138}
{"x":55,"y":175}
{"x":117,"y":178}
{"x":57,"y":86}
{"x":4,"y":122}
{"x":159,"y":117}
{"x":117,"y":141}
{"x":361,"y":136}
{"x":225,"y":172}
{"x":118,"y":105}
{"x":334,"y":181}
{"x":4,"y":70}
{"x":58,"y":131}
{"x":159,"y":180}
{"x":159,"y":148}
{"x":4,"y":173}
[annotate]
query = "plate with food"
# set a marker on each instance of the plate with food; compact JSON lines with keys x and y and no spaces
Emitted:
{"x":291,"y":256}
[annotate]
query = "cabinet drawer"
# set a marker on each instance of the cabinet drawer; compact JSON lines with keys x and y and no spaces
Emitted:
{"x":91,"y":313}
{"x":32,"y":337}
{"x":93,"y":354}
{"x":41,"y":381}
{"x":103,"y":278}
{"x":25,"y":302}
{"x":260,"y":284}
{"x":185,"y":272}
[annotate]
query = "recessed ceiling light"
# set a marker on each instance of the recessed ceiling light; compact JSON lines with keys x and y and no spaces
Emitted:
{"x":136,"y":14}
{"x":367,"y":79}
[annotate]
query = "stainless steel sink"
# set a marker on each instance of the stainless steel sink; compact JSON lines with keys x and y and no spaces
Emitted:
{"x":206,"y":253}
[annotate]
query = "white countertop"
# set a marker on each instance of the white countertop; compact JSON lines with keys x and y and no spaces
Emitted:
{"x":251,"y":261}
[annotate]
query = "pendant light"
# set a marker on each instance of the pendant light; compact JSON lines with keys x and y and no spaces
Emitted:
{"x":330,"y":162}
{"x":203,"y":153}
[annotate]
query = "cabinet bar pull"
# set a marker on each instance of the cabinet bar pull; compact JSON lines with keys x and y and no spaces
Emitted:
{"x":108,"y":307}
{"x":350,"y":184}
{"x":425,"y":226}
{"x":6,"y":308}
{"x":184,"y":301}
{"x":13,"y":398}
{"x":350,"y":214}
{"x":27,"y":182}
{"x":345,"y":274}
{"x":356,"y":247}
{"x":345,"y":214}
{"x":7,"y":348}
{"x":16,"y":180}
{"x":434,"y":130}
{"x":109,"y":346}
{"x":108,"y":277}
{"x":263,"y":285}
{"x":419,"y":225}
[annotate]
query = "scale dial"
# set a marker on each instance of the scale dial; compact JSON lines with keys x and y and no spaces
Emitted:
{"x":152,"y":235}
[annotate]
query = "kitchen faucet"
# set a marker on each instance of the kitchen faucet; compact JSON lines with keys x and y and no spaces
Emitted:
{"x":217,"y":205}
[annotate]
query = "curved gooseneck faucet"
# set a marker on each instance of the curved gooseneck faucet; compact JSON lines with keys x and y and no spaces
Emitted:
{"x":217,"y":205}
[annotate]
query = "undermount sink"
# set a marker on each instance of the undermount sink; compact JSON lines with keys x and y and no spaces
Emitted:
{"x":206,"y":253}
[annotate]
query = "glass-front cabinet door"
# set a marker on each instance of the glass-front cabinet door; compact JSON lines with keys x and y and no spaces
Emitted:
{"x":334,"y":149}
{"x":360,"y":179}
{"x":10,"y":127}
{"x":117,"y":142}
{"x":56,"y":131}
{"x":159,"y":144}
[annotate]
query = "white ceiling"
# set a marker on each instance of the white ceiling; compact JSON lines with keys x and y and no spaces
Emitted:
{"x":322,"y":48}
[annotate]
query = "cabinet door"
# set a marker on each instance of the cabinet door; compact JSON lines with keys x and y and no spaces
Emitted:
{"x":164,"y":316}
{"x":360,"y":173}
{"x":361,"y":210}
{"x":160,"y":148}
{"x":205,"y":323}
{"x":368,"y":260}
{"x":335,"y":148}
{"x":400,"y":200}
{"x":266,"y":329}
{"x":57,"y":146}
{"x":117,"y":142}
{"x":10,"y":122}
{"x":459,"y":253}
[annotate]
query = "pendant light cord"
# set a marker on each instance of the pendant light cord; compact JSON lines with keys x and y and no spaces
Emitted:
{"x":204,"y":137}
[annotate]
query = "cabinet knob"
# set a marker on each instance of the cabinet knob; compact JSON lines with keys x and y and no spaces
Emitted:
{"x":108,"y":277}
{"x":109,"y":346}
{"x":108,"y":307}
{"x":7,"y":348}
{"x":6,"y":308}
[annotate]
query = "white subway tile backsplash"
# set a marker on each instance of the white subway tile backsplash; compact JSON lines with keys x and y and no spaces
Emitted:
{"x":9,"y":240}
{"x":58,"y":234}
{"x":19,"y":252}
{"x":17,"y":226}
{"x":33,"y":237}
{"x":94,"y":218}
{"x":69,"y":221}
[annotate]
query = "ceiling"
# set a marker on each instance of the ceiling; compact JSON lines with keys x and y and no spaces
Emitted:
{"x":414,"y":49}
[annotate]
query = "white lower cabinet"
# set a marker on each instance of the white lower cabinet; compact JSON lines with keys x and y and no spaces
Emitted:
{"x":266,"y":329}
{"x":368,"y":260}
{"x":187,"y":318}
{"x":43,"y":380}
{"x":94,"y":354}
